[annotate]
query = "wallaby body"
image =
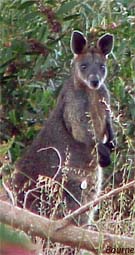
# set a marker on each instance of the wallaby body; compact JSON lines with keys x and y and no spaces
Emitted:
{"x":78,"y":134}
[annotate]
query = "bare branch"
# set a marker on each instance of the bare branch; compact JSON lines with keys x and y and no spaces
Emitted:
{"x":8,"y":191}
{"x":70,"y":235}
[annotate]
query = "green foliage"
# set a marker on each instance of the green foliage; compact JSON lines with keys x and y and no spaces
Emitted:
{"x":11,"y":240}
{"x":13,"y":236}
{"x":6,"y":146}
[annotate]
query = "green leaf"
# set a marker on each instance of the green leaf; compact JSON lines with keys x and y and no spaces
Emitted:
{"x":119,"y":89}
{"x":66,"y":7}
{"x":12,"y":116}
{"x":132,"y":107}
{"x":87,"y":8}
{"x":18,"y":46}
{"x":70,"y":17}
{"x":25,"y":4}
{"x":6,"y":146}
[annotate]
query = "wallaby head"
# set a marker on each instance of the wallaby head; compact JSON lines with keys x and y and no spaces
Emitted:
{"x":90,"y":62}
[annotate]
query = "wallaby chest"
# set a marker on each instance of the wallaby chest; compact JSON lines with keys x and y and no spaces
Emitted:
{"x":98,"y":111}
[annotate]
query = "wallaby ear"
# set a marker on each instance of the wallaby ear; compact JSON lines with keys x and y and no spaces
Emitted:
{"x":105,"y":43}
{"x":78,"y":42}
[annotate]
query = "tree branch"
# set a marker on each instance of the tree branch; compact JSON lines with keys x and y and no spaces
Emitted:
{"x":70,"y":235}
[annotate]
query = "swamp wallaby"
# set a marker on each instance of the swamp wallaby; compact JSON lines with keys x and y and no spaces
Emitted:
{"x":76,"y":138}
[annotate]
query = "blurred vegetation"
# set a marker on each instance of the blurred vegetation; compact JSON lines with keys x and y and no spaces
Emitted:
{"x":15,"y":242}
{"x":35,"y":60}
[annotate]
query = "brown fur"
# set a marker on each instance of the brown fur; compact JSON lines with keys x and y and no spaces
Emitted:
{"x":74,"y":128}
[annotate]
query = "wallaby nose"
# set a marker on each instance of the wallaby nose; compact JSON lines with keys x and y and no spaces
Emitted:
{"x":95,"y":83}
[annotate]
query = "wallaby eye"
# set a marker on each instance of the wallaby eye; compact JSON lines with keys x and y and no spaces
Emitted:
{"x":84,"y":66}
{"x":102,"y":67}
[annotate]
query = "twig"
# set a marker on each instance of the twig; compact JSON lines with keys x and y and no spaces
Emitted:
{"x":9,"y":192}
{"x":59,"y":156}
